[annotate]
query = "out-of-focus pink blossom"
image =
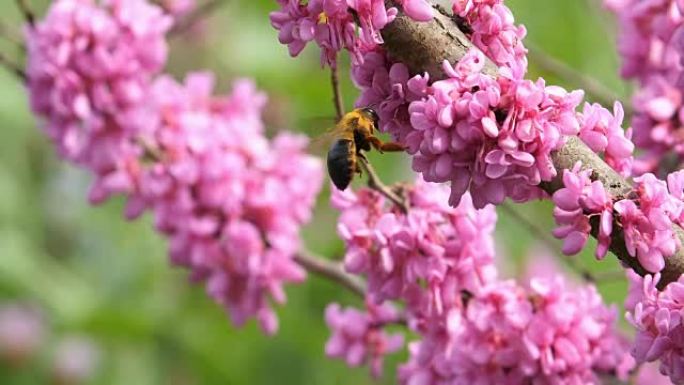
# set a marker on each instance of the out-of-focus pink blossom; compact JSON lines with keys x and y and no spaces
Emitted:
{"x":658,"y":320}
{"x":230,"y":201}
{"x":358,"y":337}
{"x":75,"y":361}
{"x":648,"y":374}
{"x":89,"y":66}
{"x":22,"y":333}
{"x":650,"y":43}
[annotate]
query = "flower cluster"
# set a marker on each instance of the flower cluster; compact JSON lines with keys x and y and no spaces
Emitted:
{"x":506,"y":334}
{"x":490,"y":136}
{"x":492,"y":30}
{"x":650,"y":43}
{"x":474,"y":328}
{"x":230,"y":201}
{"x":332,"y":24}
{"x":646,"y":216}
{"x":358,"y":336}
{"x":89,"y":67}
{"x":435,"y":245}
{"x":658,"y":320}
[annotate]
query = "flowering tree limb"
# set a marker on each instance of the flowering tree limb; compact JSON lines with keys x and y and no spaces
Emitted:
{"x":423,"y":47}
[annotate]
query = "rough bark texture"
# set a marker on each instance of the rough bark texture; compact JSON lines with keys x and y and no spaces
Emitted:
{"x":423,"y":46}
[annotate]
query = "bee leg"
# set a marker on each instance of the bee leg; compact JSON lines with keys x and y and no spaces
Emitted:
{"x":363,"y":157}
{"x":385,"y":146}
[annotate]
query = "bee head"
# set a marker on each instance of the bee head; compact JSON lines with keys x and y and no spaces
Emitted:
{"x":371,"y":114}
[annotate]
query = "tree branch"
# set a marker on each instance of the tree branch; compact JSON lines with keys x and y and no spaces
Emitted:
{"x":13,"y":68}
{"x":423,"y":46}
{"x":26,"y":11}
{"x":195,"y":16}
{"x":331,"y":271}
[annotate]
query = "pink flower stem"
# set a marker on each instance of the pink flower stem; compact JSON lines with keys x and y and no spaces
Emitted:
{"x":592,"y":86}
{"x":331,"y":271}
{"x":26,"y":11}
{"x":200,"y":13}
{"x":13,"y":68}
{"x":423,"y":47}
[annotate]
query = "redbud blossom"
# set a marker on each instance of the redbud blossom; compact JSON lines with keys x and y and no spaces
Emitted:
{"x":658,"y":320}
{"x":646,"y":219}
{"x":230,"y":201}
{"x":332,"y":25}
{"x":505,"y":334}
{"x":358,"y":337}
{"x":88,"y":67}
{"x":435,"y":245}
{"x":650,"y":43}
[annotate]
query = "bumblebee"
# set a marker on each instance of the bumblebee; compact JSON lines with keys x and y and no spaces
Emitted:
{"x":352,"y":134}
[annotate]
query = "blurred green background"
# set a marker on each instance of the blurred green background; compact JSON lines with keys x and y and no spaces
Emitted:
{"x":95,"y":274}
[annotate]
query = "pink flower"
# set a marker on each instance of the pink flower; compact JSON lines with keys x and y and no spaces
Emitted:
{"x":650,"y":43}
{"x":575,"y":204}
{"x":22,"y":333}
{"x":657,"y":319}
{"x":442,"y":246}
{"x":494,"y":32}
{"x":419,"y":10}
{"x":230,"y":201}
{"x":358,"y":337}
{"x":603,"y":133}
{"x":331,"y":24}
{"x":89,"y":68}
{"x":504,"y":334}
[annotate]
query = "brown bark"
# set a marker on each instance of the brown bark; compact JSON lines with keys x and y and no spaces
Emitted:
{"x":423,"y":46}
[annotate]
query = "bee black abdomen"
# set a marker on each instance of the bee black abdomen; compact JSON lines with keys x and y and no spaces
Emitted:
{"x":341,"y":163}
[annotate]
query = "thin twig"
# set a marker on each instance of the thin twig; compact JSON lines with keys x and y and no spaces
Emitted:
{"x":592,"y":86}
{"x":337,"y":94}
{"x":13,"y":68}
{"x":201,"y":12}
{"x":375,"y":183}
{"x":330,"y":270}
{"x":11,"y":36}
{"x":550,"y":243}
{"x":26,"y":11}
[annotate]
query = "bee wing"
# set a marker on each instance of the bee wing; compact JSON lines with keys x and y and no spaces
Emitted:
{"x":321,"y":142}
